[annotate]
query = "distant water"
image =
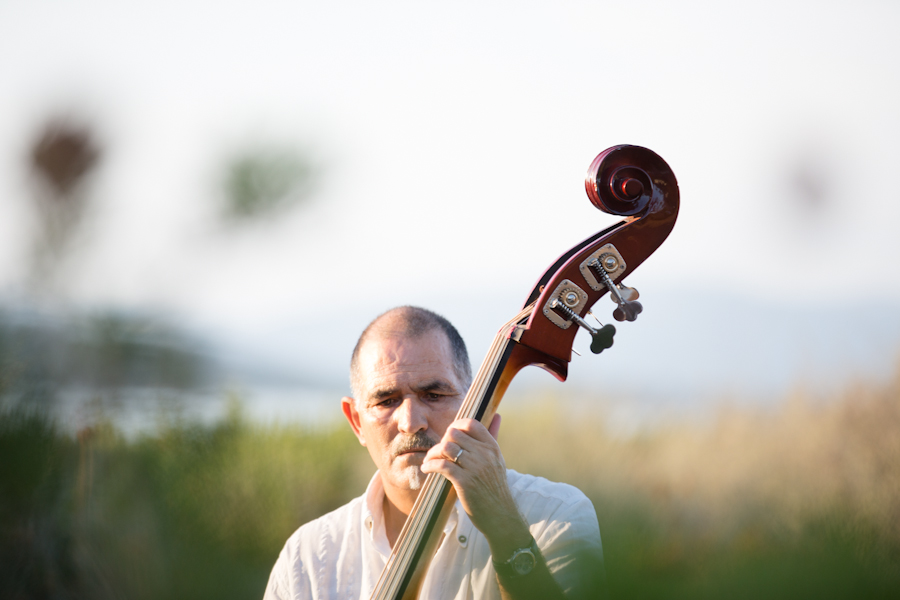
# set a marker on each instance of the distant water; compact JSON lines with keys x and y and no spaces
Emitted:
{"x":688,"y":352}
{"x":688,"y":346}
{"x":141,"y":410}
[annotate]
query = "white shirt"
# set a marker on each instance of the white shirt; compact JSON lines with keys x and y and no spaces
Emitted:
{"x":341,"y":555}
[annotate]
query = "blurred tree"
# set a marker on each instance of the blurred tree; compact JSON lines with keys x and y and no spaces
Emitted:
{"x":64,"y":154}
{"x":264,"y":182}
{"x":808,"y":178}
{"x":46,"y":351}
{"x":62,"y":157}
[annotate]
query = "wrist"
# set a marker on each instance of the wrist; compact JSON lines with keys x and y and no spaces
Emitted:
{"x":520,"y":563}
{"x":506,"y":535}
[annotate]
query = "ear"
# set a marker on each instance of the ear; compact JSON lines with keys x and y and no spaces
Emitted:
{"x":348,"y":405}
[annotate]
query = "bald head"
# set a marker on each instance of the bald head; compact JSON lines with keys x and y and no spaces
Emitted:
{"x":411,"y":322}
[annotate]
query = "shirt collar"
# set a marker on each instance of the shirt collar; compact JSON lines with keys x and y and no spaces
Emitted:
{"x":373,"y":515}
{"x":373,"y":519}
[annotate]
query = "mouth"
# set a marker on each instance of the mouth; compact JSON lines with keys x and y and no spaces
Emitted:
{"x":413,"y":451}
{"x":415,"y":445}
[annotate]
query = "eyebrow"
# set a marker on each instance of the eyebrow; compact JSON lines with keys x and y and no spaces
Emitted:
{"x":435,"y":385}
{"x":382,"y":393}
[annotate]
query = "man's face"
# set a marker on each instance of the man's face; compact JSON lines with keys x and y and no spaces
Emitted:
{"x":409,"y":394}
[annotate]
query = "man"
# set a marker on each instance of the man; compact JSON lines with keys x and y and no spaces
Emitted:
{"x":510,"y":536}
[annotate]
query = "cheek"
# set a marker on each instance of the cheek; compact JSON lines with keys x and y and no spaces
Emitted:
{"x":376,"y":435}
{"x":442,"y":419}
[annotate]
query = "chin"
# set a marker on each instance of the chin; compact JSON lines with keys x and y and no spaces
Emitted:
{"x":414,"y":477}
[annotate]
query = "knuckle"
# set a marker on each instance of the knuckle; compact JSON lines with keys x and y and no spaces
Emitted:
{"x":453,"y":435}
{"x":461,"y":424}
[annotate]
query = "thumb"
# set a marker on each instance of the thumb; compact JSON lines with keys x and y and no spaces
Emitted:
{"x":494,"y":427}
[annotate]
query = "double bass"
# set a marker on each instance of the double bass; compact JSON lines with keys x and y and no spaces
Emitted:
{"x":628,"y":181}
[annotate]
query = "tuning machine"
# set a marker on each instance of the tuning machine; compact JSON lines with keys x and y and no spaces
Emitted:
{"x":566,"y":301}
{"x":601,"y":270}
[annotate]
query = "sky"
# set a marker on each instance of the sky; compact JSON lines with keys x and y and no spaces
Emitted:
{"x":452,"y":141}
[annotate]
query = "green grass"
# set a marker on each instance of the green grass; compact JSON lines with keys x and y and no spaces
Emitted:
{"x":801,"y":502}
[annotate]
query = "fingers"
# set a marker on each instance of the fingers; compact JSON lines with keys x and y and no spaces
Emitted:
{"x":445,"y":450}
{"x":469,"y":457}
{"x":465,"y":443}
{"x":472,"y":428}
{"x":438,"y":460}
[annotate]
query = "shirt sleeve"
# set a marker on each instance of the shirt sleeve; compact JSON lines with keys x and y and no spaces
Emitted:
{"x":284,"y":582}
{"x":570,"y":543}
{"x":277,"y":588}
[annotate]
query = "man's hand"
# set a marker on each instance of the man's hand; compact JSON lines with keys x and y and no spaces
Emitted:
{"x":468,"y":455}
{"x":478,"y":474}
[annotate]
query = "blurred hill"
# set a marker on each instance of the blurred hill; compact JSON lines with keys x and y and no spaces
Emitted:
{"x":677,"y":359}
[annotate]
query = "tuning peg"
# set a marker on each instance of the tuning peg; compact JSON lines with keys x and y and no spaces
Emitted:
{"x":604,"y":337}
{"x":628,"y":293}
{"x":624,"y":296}
{"x":628,"y":311}
{"x":601,"y":338}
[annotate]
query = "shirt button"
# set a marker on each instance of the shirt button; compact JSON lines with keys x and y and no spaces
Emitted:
{"x":462,"y":539}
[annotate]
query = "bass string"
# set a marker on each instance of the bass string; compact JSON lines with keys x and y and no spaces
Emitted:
{"x":473,"y":401}
{"x":479,"y":389}
{"x":475,"y":397}
{"x":427,"y":501}
{"x":433,"y":489}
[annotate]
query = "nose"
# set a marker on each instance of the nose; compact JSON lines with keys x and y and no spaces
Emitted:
{"x":410,"y":416}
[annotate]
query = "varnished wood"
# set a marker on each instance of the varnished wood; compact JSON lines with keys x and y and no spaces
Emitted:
{"x":635,"y":238}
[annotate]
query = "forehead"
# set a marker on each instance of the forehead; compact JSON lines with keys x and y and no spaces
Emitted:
{"x":395,"y":360}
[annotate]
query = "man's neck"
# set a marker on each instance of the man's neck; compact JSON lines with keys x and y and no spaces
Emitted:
{"x":396,"y":506}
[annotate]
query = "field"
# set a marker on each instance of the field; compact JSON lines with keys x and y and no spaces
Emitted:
{"x":797,"y":501}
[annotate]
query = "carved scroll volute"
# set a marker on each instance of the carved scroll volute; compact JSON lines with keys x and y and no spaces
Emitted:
{"x":629,"y":181}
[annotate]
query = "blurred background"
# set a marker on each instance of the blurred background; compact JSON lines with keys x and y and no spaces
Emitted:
{"x":202,"y":205}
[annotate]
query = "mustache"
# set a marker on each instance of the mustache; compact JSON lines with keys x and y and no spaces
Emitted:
{"x":416,"y":441}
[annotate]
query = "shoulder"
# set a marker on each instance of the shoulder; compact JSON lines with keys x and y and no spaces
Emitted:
{"x":328,"y":529}
{"x":564,"y":525}
{"x":556,"y":512}
{"x":312,"y":546}
{"x":529,"y":488}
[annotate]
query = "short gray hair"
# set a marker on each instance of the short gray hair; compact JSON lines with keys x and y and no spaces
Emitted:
{"x":414,"y":322}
